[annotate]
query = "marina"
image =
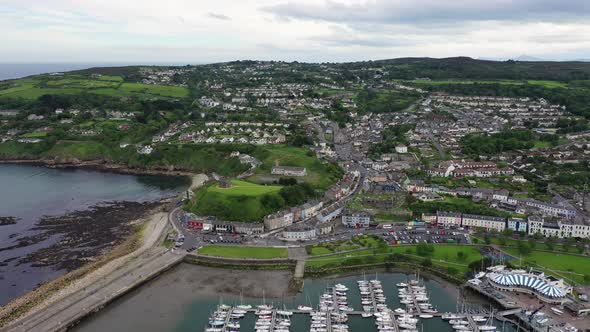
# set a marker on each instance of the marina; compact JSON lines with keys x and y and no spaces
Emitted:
{"x":189,"y":295}
{"x":333,"y":311}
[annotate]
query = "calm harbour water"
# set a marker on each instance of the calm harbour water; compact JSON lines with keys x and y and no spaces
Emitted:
{"x":30,"y":192}
{"x":170,"y":303}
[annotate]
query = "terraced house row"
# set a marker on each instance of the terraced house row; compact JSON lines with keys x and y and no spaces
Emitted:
{"x":532,"y":225}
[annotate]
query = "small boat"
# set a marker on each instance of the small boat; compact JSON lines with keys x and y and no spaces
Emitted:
{"x":366,"y":315}
{"x":304,"y":308}
{"x":426,"y":316}
{"x":556,"y":311}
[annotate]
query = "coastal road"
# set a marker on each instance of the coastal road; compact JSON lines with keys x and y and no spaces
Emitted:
{"x":65,"y":312}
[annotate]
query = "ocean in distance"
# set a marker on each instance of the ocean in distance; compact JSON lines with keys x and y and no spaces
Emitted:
{"x":12,"y":71}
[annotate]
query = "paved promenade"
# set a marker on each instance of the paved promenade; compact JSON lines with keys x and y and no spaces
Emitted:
{"x":72,"y":308}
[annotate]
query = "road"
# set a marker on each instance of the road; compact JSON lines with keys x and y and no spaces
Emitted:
{"x":74,"y":307}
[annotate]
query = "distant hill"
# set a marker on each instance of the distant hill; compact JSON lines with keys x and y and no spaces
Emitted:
{"x":468,"y":68}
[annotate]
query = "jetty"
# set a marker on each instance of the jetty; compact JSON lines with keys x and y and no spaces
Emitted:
{"x":66,"y":312}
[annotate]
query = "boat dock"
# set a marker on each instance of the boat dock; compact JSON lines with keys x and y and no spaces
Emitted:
{"x":334,"y":308}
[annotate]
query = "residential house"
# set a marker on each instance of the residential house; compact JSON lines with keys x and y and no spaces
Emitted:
{"x":356,"y":219}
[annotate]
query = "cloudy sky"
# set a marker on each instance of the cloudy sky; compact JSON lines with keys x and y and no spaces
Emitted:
{"x":200,"y":31}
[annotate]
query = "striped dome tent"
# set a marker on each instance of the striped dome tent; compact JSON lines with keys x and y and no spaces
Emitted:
{"x":521,"y":280}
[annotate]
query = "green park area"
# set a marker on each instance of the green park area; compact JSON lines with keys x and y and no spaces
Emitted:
{"x":239,"y":188}
{"x":320,"y":175}
{"x":453,"y":258}
{"x":34,"y":87}
{"x":244,"y":252}
{"x":544,"y":83}
{"x":358,"y":242}
{"x":241,"y":201}
{"x":573,"y":267}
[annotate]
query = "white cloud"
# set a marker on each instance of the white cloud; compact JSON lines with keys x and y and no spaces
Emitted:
{"x":304,"y":30}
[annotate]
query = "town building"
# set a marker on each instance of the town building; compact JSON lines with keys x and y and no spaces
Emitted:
{"x":288,"y":171}
{"x":310,"y":209}
{"x":448,"y":218}
{"x":552,"y":209}
{"x":278,"y":220}
{"x":401,"y":149}
{"x":559,"y":228}
{"x":299,"y":232}
{"x":356,"y":219}
{"x":486,"y":222}
{"x":517,"y":224}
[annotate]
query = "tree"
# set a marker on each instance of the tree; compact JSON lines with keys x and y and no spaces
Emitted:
{"x":523,"y":248}
{"x":487,"y":239}
{"x":532,"y":243}
{"x":424,"y":249}
{"x":502,"y":240}
{"x":427,"y":262}
{"x":461,"y":256}
{"x":549,"y":243}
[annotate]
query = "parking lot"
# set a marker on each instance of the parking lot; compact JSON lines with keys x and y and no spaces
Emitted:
{"x":432,"y":235}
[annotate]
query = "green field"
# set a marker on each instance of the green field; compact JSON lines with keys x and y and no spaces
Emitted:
{"x":444,"y":256}
{"x":562,"y":265}
{"x":110,"y":78}
{"x":319,"y":175}
{"x":545,"y":83}
{"x":32,"y":88}
{"x":343,"y":245}
{"x":244,"y":252}
{"x":242,"y":202}
{"x":438,"y":82}
{"x":243,"y":188}
{"x":38,"y":134}
{"x":162,"y":90}
{"x":548,"y":84}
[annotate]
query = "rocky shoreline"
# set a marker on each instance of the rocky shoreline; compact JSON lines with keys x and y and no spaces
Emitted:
{"x":5,"y":221}
{"x":81,"y":236}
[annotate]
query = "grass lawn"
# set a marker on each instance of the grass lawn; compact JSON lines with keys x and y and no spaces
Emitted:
{"x":514,"y":243}
{"x":244,"y":252}
{"x":467,"y":82}
{"x":84,"y":150}
{"x":163,"y":90}
{"x":36,"y":134}
{"x":564,"y":265}
{"x":545,"y":83}
{"x":318,"y":174}
{"x":241,"y":202}
{"x":542,"y":145}
{"x":444,"y":256}
{"x":331,"y":247}
{"x":382,"y":218}
{"x":245,"y":188}
{"x":548,"y":84}
{"x":32,"y":88}
{"x":110,"y":78}
{"x":320,"y":251}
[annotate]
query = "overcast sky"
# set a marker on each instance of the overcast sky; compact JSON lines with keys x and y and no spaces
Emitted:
{"x":200,"y":31}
